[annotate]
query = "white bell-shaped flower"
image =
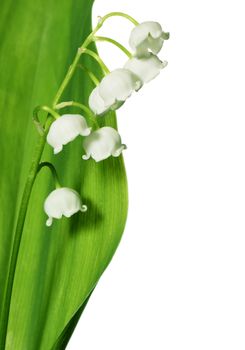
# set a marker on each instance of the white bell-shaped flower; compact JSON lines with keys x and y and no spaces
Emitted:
{"x":62,"y":201}
{"x":103,"y":143}
{"x":147,"y":36}
{"x":113,"y":90}
{"x":96,"y":102}
{"x":65,"y":129}
{"x":147,"y":68}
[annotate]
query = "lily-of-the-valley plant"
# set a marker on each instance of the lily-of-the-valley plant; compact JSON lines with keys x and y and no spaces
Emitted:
{"x":98,"y":143}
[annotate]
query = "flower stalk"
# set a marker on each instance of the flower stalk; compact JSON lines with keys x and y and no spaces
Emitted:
{"x":36,"y":119}
{"x":84,"y":108}
{"x":97,"y":58}
{"x":114,"y":42}
{"x":117,"y":14}
{"x":91,"y":75}
{"x":53,"y":172}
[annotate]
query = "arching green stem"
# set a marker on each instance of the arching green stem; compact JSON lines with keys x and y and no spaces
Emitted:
{"x":84,"y":108}
{"x":53,"y":171}
{"x":97,"y":58}
{"x":91,"y":75}
{"x":118,"y":14}
{"x":85,"y":44}
{"x":114,"y":42}
{"x":73,"y":66}
{"x":36,"y":119}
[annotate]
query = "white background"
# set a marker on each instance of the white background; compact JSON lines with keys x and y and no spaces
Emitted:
{"x":177,"y":280}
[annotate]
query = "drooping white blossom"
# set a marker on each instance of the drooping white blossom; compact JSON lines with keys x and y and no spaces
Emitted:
{"x":147,"y":37}
{"x":96,"y":102}
{"x":113,"y":90}
{"x":65,"y":129}
{"x":103,"y":143}
{"x":62,"y":202}
{"x":147,"y":68}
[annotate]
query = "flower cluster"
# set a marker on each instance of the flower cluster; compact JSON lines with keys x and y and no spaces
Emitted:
{"x":146,"y":40}
{"x":143,"y":65}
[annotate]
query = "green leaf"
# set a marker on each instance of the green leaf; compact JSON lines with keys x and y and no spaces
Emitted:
{"x":57,"y":267}
{"x":63,"y":339}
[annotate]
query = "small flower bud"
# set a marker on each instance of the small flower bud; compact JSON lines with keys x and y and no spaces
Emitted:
{"x":65,"y":129}
{"x":103,"y":143}
{"x":147,"y":36}
{"x":62,"y":201}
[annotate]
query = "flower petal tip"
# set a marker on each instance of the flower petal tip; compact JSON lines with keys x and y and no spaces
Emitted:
{"x":85,"y":157}
{"x":58,"y":149}
{"x":119,"y":151}
{"x":138,"y":85}
{"x":166,"y":35}
{"x":87,"y":132}
{"x":84,"y":208}
{"x":49,"y":222}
